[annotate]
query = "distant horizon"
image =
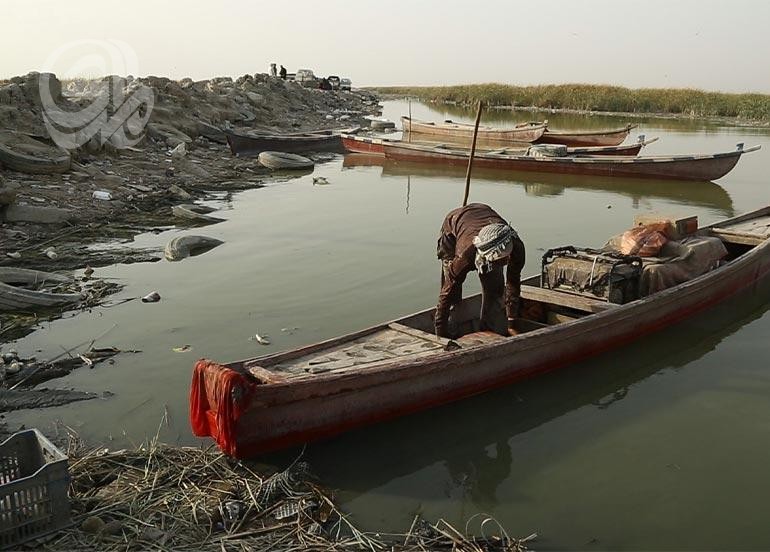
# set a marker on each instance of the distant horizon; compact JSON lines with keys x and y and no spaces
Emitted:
{"x":707,"y":45}
{"x":365,"y":86}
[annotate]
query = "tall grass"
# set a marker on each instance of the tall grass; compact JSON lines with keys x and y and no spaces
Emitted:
{"x":588,"y":97}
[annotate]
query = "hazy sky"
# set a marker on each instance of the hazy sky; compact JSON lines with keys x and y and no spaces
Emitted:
{"x":709,"y":44}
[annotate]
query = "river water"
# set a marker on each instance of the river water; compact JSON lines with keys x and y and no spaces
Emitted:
{"x":663,"y":445}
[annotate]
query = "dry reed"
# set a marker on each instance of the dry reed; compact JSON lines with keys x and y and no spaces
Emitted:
{"x":165,"y":498}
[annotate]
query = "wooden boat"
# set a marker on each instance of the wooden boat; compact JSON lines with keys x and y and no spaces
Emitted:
{"x":524,"y":132}
{"x":25,"y":290}
{"x":585,"y":138}
{"x":702,"y":167}
{"x":363,"y":144}
{"x":254,"y":143}
{"x":397,"y":368}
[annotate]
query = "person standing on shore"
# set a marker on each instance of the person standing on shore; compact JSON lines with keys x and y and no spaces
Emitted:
{"x":475,"y":237}
{"x":273,"y":71}
{"x":283,"y":72}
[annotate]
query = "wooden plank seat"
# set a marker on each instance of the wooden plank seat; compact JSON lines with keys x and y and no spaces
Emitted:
{"x":747,"y":230}
{"x":564,"y":299}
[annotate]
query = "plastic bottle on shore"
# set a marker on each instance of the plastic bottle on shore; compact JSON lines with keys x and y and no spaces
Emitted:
{"x":101,"y":194}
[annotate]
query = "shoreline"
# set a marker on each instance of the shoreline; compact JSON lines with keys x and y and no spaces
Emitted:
{"x":88,"y":215}
{"x":727,"y":121}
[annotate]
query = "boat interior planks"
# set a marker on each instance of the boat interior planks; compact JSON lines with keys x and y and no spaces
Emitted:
{"x":384,"y":344}
{"x":752,"y":231}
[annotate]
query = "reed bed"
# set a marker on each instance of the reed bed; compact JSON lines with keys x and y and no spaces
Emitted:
{"x":602,"y":98}
{"x":160,"y":497}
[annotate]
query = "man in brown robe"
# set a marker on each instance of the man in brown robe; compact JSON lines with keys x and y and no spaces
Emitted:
{"x":475,"y":237}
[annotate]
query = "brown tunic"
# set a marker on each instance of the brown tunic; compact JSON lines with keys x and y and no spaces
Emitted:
{"x":456,"y":250}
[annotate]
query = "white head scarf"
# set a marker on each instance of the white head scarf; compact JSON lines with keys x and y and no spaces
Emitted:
{"x":494,"y":242}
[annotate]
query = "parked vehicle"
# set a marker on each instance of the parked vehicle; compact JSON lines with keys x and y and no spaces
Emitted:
{"x":306,"y":78}
{"x":345,"y":84}
{"x":334,"y":80}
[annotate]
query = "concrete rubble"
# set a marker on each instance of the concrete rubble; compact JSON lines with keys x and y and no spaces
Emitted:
{"x":114,"y":193}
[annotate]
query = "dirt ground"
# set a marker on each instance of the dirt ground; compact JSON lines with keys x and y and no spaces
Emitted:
{"x":51,"y":222}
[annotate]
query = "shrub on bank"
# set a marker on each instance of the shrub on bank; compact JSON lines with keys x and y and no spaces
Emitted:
{"x":588,"y":97}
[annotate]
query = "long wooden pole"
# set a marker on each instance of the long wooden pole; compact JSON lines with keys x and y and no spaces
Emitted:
{"x":410,"y":119}
{"x":473,"y":151}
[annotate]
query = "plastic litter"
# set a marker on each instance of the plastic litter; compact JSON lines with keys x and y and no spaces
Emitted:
{"x":153,"y":297}
{"x":102,"y":194}
{"x":261,"y":339}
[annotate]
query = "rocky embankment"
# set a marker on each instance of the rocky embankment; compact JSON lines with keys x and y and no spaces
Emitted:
{"x":57,"y":206}
{"x":142,"y":182}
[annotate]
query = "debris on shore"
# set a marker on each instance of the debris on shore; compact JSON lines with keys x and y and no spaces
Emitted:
{"x":106,"y":193}
{"x":162,"y":497}
{"x":83,"y":207}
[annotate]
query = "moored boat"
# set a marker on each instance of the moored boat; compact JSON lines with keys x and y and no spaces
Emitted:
{"x":576,"y":138}
{"x":524,"y":132}
{"x":397,"y":368}
{"x":253,"y":143}
{"x":697,"y":167}
{"x":363,"y":144}
{"x":29,"y":290}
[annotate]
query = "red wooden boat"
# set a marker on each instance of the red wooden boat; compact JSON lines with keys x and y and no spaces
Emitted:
{"x":253,"y":143}
{"x":673,"y":167}
{"x":363,"y":144}
{"x":524,"y":132}
{"x":585,"y":138}
{"x":396,"y":368}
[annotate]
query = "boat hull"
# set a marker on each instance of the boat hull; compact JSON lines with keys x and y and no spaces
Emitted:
{"x":680,"y":167}
{"x":526,"y":133}
{"x":601,"y":138}
{"x":376,"y":146}
{"x":355,"y":144}
{"x":247,"y":419}
{"x":247,"y":145}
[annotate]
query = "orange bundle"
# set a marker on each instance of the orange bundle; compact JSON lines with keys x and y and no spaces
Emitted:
{"x":644,"y":240}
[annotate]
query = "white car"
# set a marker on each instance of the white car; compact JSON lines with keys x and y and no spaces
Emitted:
{"x":305,"y":77}
{"x":345,"y":84}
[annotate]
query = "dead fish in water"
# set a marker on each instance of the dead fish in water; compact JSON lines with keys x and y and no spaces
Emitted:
{"x":261,"y":339}
{"x":14,"y":255}
{"x":153,"y":297}
{"x":182,"y":349}
{"x":51,"y":253}
{"x":320,"y":181}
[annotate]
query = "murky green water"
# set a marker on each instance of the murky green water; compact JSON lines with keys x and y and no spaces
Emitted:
{"x":661,"y":446}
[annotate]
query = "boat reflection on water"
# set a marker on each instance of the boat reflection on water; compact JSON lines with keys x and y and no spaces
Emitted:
{"x":474,"y":440}
{"x":701,"y":194}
